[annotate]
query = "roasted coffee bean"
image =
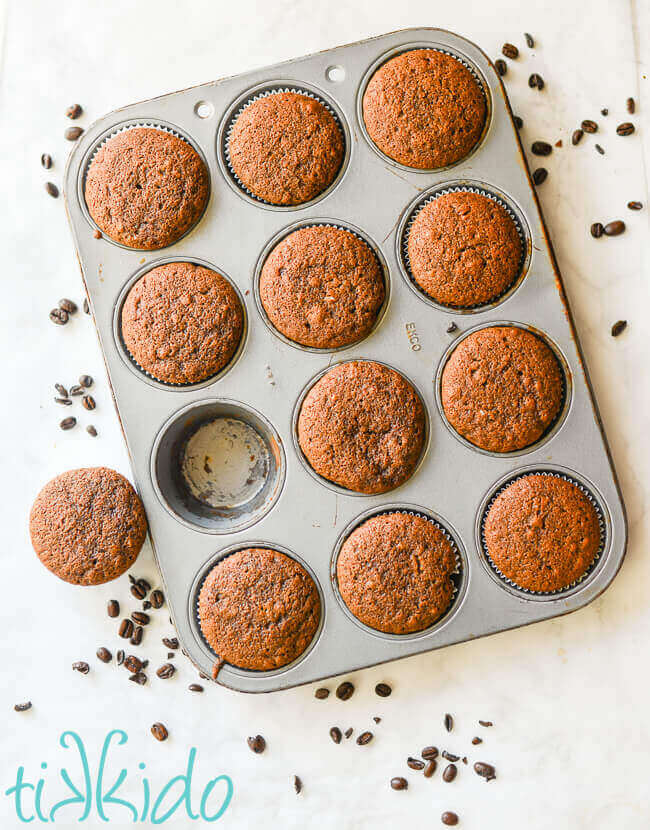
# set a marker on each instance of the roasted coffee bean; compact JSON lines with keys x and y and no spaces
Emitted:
{"x":60,"y":388}
{"x":336,"y":735}
{"x":170,"y":642}
{"x":596,"y":230}
{"x":348,"y":732}
{"x":383,"y":689}
{"x":465,"y":759}
{"x":429,"y":753}
{"x":599,"y":149}
{"x":449,"y":722}
{"x":76,"y":390}
{"x":345,"y":690}
{"x":86,"y":381}
{"x":133,"y":664}
{"x":256,"y":744}
{"x":68,"y":423}
{"x":450,"y":756}
{"x":68,"y":305}
{"x":171,"y":655}
{"x":619,"y":327}
{"x":52,"y":190}
{"x":519,"y":123}
{"x":140,"y":618}
{"x":140,"y":588}
{"x":297,"y":784}
{"x":145,"y":663}
{"x":166,"y":671}
{"x":46,"y":161}
{"x":86,"y":307}
{"x":321,"y":694}
{"x":604,"y":111}
{"x":365,"y":738}
{"x":104,"y":655}
{"x":451,"y":328}
{"x":614,"y":228}
{"x":625,"y":129}
{"x":630,"y":105}
{"x":430,"y":768}
{"x":195,"y":687}
{"x":635,"y":205}
{"x":449,"y":819}
{"x":140,"y":678}
{"x":508,"y":50}
{"x":576,"y":137}
{"x":113,"y":608}
{"x":63,"y":401}
{"x":146,"y":605}
{"x":22,"y":707}
{"x":88,"y":402}
{"x":486,"y":771}
{"x":486,"y":723}
{"x":399,"y":783}
{"x":59,"y":317}
{"x":449,"y":773}
{"x":157,"y":598}
{"x":530,"y":43}
{"x":126,"y":629}
{"x":119,"y":657}
{"x":74,"y":111}
{"x":138,"y":633}
{"x":540,"y":175}
{"x":81,"y":666}
{"x":159,"y":731}
{"x":536,"y":81}
{"x":541,"y":148}
{"x":376,"y":719}
{"x":476,"y":741}
{"x":501,"y":66}
{"x":414,"y":763}
{"x":73,"y":133}
{"x":589,"y":126}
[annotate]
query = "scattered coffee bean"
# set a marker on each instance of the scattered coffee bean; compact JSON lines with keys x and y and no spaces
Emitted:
{"x":166,"y":671}
{"x":297,"y":784}
{"x":76,"y":390}
{"x":336,"y":735}
{"x":159,"y":731}
{"x":88,"y":402}
{"x":171,"y":655}
{"x":126,"y":629}
{"x":630,"y":105}
{"x":345,"y":690}
{"x":104,"y":655}
{"x":541,"y":148}
{"x":383,"y":689}
{"x":635,"y":205}
{"x":501,"y":66}
{"x":22,"y":707}
{"x":486,"y":723}
{"x":170,"y":642}
{"x":399,"y":783}
{"x":414,"y":763}
{"x":599,"y":149}
{"x":576,"y":137}
{"x":81,"y":666}
{"x":68,"y":305}
{"x":596,"y":230}
{"x":540,"y":175}
{"x":86,"y":307}
{"x":376,"y":719}
{"x":146,"y":605}
{"x":52,"y":190}
{"x":68,"y":423}
{"x":450,"y":756}
{"x":63,"y":401}
{"x":157,"y":598}
{"x":256,"y":744}
{"x":589,"y":126}
{"x":486,"y":771}
{"x":138,"y":634}
{"x":140,"y":618}
{"x":429,"y":753}
{"x":59,"y":317}
{"x":449,"y":722}
{"x":365,"y":738}
{"x":430,"y":768}
{"x":519,"y":123}
{"x":508,"y":50}
{"x":145,"y":663}
{"x":449,"y":819}
{"x":536,"y":81}
{"x":321,"y":694}
{"x":348,"y":732}
{"x":119,"y":657}
{"x":46,"y":161}
{"x":74,"y":111}
{"x":451,"y":328}
{"x":449,"y":773}
{"x":140,"y":678}
{"x":530,"y":43}
{"x":619,"y":327}
{"x":626,"y":128}
{"x":86,"y":381}
{"x":91,"y":430}
{"x":73,"y":133}
{"x":614,"y":228}
{"x":140,"y":589}
{"x":195,"y":687}
{"x":60,"y":388}
{"x":604,"y":111}
{"x":133,"y":664}
{"x":476,"y":741}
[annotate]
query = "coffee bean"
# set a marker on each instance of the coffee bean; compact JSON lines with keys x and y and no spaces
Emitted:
{"x":576,"y":137}
{"x":46,"y":161}
{"x":635,"y":205}
{"x":81,"y":666}
{"x":157,"y":599}
{"x":63,"y":401}
{"x":450,"y":756}
{"x":166,"y":671}
{"x":76,"y":390}
{"x":345,"y":690}
{"x":86,"y":381}
{"x":59,"y":317}
{"x":60,"y":388}
{"x":86,"y":307}
{"x":146,"y":605}
{"x":348,"y":732}
{"x":68,"y":423}
{"x":376,"y":719}
{"x":519,"y":123}
{"x":451,"y":328}
{"x":625,"y":129}
{"x":476,"y":741}
{"x":140,"y":589}
{"x":170,"y":642}
{"x":159,"y":731}
{"x":126,"y":629}
{"x":336,"y":735}
{"x":501,"y":66}
{"x":486,"y":723}
{"x":68,"y":305}
{"x":530,"y":43}
{"x":540,"y":175}
{"x":195,"y":687}
{"x":383,"y":689}
{"x":133,"y":664}
{"x":88,"y":402}
{"x":52,"y":190}
{"x":22,"y":707}
{"x":140,"y":618}
{"x":414,"y":763}
{"x":104,"y":655}
{"x":614,"y":228}
{"x":541,"y":148}
{"x":536,"y":81}
{"x":171,"y":655}
{"x":145,"y":663}
{"x":140,"y":678}
{"x":113,"y":608}
{"x":73,"y":133}
{"x":399,"y":783}
{"x":508,"y":50}
{"x":589,"y":126}
{"x":486,"y":771}
{"x":465,"y":759}
{"x":429,"y":753}
{"x":449,"y":819}
{"x":596,"y":230}
{"x":119,"y":657}
{"x":449,"y":773}
{"x":256,"y":744}
{"x":630,"y":105}
{"x":321,"y":694}
{"x":297,"y":784}
{"x":449,"y":722}
{"x":74,"y":111}
{"x":430,"y":769}
{"x":364,"y":738}
{"x":604,"y":111}
{"x":619,"y":327}
{"x":599,"y":149}
{"x":138,"y":633}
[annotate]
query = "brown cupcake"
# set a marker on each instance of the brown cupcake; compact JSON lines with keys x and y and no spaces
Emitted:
{"x":259,"y":609}
{"x":87,"y":526}
{"x":424,"y":109}
{"x":464,"y":249}
{"x":145,"y":188}
{"x":502,"y":388}
{"x":286,"y":148}
{"x":542,"y":532}
{"x":182,"y":322}
{"x":362,"y":426}
{"x":394,"y":573}
{"x":322,"y":287}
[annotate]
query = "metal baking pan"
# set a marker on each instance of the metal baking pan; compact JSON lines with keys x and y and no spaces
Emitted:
{"x":296,"y":512}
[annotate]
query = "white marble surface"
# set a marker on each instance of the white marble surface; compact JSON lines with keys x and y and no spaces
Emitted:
{"x":569,"y":698}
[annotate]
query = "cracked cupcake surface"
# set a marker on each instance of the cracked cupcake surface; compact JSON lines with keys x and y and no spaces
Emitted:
{"x":145,"y":188}
{"x":182,"y":323}
{"x":394,"y":573}
{"x":259,"y":609}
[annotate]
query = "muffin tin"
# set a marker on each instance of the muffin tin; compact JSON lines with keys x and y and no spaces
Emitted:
{"x":293,"y":510}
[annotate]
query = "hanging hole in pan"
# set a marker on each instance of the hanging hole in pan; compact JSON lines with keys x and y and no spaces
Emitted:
{"x":335,"y":74}
{"x":203,"y":109}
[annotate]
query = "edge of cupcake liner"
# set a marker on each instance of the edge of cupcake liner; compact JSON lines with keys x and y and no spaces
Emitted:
{"x":601,"y":525}
{"x":234,"y":116}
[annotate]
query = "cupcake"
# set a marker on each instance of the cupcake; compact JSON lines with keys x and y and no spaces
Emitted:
{"x":285,"y":148}
{"x":542,"y":533}
{"x":259,"y":609}
{"x":424,"y":109}
{"x":322,"y":287}
{"x":502,"y":388}
{"x":464,"y":249}
{"x":362,"y":426}
{"x":394,"y":573}
{"x":87,"y":526}
{"x":145,"y":188}
{"x":182,"y":323}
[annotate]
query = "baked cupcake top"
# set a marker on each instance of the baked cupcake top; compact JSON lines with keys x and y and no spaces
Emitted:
{"x":464,"y":249}
{"x":424,"y":109}
{"x":259,"y":609}
{"x":542,"y":532}
{"x":87,"y":526}
{"x":145,"y":188}
{"x":394,"y":573}
{"x":322,"y":287}
{"x":286,"y":148}
{"x":502,"y":388}
{"x":182,"y":322}
{"x":362,"y":426}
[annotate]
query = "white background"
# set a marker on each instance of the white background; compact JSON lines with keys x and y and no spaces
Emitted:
{"x":569,"y":698}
